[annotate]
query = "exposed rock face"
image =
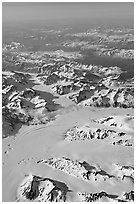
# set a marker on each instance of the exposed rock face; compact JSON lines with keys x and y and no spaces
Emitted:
{"x":106,"y":71}
{"x":52,"y":79}
{"x":73,"y":168}
{"x":13,"y":46}
{"x":8,"y":121}
{"x":12,"y":84}
{"x":98,"y":197}
{"x":86,"y":132}
{"x":23,"y":105}
{"x":97,"y":101}
{"x":82,"y":95}
{"x":62,"y":89}
{"x":25,"y":99}
{"x":16,"y":78}
{"x":94,"y":197}
{"x":11,"y":114}
{"x":93,"y":85}
{"x":20,"y":106}
{"x":123,"y":53}
{"x":124,"y":171}
{"x":65,"y":88}
{"x":78,"y":169}
{"x":123,"y":98}
{"x":122,"y":142}
{"x":122,"y":122}
{"x":129,"y":196}
{"x":38,"y":189}
{"x":12,"y":120}
{"x":6,"y":92}
{"x":107,"y":92}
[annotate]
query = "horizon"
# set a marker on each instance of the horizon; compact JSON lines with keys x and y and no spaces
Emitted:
{"x":68,"y":12}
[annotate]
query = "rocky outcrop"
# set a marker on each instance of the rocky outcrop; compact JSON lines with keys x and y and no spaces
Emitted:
{"x":86,"y":132}
{"x":52,"y":79}
{"x":73,"y":168}
{"x":24,"y":105}
{"x":63,"y":89}
{"x":38,"y":189}
{"x":95,"y":197}
{"x":6,"y":92}
{"x":12,"y":115}
{"x":12,"y":120}
{"x":25,"y":99}
{"x":13,"y":46}
{"x":19,"y":80}
{"x":78,"y":169}
{"x":124,"y":98}
{"x":122,"y":142}
{"x":119,"y":121}
{"x":98,"y":101}
{"x":103,"y":196}
{"x":124,"y":171}
{"x":20,"y":106}
{"x":123,"y":53}
{"x":129,"y":196}
{"x":121,"y":97}
{"x":82,"y":95}
{"x":90,"y":172}
{"x":106,"y":71}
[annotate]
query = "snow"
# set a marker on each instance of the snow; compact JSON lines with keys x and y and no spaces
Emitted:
{"x":42,"y":142}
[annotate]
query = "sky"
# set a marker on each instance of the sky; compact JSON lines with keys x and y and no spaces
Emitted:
{"x":32,"y":11}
